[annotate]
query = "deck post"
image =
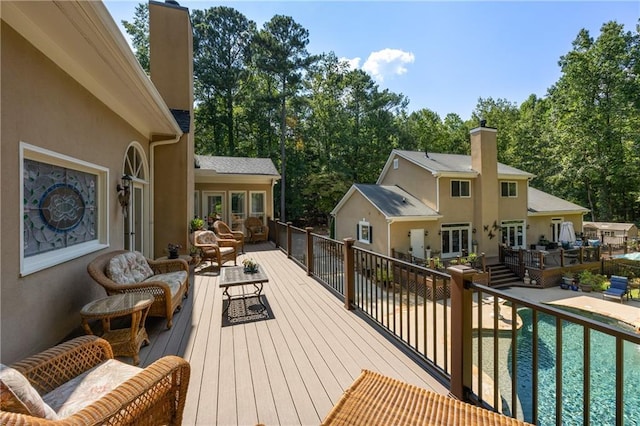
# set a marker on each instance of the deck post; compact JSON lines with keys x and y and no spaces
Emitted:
{"x":461,"y":336}
{"x":309,"y":251}
{"x":349,"y":273}
{"x":276,"y":228}
{"x":289,"y":240}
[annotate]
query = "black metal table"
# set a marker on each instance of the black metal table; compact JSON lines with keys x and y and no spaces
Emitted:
{"x":233,"y":276}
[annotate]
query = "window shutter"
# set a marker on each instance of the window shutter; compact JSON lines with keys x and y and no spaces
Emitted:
{"x":370,"y":233}
{"x":357,"y":231}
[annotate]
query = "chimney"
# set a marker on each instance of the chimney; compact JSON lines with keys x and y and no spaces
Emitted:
{"x":484,"y":160}
{"x":171,"y":66}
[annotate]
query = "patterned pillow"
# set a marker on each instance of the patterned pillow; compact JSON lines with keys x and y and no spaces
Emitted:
{"x":128,"y":268}
{"x":18,"y":396}
{"x":206,"y":237}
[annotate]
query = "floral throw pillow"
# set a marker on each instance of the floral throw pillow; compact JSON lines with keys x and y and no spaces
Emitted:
{"x":128,"y":268}
{"x":18,"y":396}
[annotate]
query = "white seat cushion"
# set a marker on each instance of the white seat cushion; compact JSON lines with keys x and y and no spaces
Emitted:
{"x":88,"y":387}
{"x":18,"y":396}
{"x":173,"y":279}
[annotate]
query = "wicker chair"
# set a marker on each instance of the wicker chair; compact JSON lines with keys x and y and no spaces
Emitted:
{"x":152,"y":396}
{"x":257,"y":230}
{"x":216,"y":249}
{"x":222,"y":230}
{"x":165,"y":303}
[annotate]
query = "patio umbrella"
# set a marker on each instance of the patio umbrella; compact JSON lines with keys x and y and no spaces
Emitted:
{"x":567,"y":233}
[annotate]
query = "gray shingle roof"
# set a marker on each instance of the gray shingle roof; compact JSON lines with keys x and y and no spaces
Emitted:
{"x":393,"y":201}
{"x":540,"y":202}
{"x":452,"y":163}
{"x":237,"y":165}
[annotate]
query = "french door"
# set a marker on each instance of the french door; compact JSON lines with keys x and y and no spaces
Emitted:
{"x":213,"y":205}
{"x":513,"y":233}
{"x":455,"y":239}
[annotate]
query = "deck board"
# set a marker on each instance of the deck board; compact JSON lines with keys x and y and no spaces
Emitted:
{"x":290,"y":369}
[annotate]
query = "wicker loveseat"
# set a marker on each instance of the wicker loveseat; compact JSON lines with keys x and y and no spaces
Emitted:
{"x":256,"y":229}
{"x":79,"y":383}
{"x":123,"y":271}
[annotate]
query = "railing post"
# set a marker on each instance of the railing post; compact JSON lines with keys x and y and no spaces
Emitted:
{"x":461,"y":336}
{"x":289,"y":240}
{"x":309,"y":251}
{"x":276,"y":227}
{"x":349,"y":273}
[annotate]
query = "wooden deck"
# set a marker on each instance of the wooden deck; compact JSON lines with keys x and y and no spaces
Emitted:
{"x":289,"y":369}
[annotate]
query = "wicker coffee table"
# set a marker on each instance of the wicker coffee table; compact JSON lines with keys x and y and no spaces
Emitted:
{"x":232,"y":276}
{"x":124,"y":341}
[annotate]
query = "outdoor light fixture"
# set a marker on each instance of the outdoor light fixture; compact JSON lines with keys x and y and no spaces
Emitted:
{"x":124,"y":191}
{"x":473,"y":230}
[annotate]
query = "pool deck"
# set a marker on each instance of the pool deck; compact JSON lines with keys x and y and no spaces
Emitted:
{"x":628,"y":311}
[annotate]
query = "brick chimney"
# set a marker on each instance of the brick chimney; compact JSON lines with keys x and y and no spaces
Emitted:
{"x":484,"y":160}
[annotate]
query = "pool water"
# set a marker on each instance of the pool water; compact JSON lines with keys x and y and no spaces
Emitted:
{"x":602,"y":393}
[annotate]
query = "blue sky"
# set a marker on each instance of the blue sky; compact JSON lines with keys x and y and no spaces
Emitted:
{"x":441,"y":55}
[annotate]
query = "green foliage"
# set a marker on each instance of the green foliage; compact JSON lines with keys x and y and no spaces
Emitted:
{"x":196,"y":223}
{"x":326,"y":126}
{"x":597,"y":282}
{"x":139,"y":32}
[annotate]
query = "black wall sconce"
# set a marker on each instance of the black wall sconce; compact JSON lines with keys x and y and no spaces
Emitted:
{"x":473,"y":230}
{"x":124,"y":192}
{"x":439,"y":232}
{"x":426,"y":233}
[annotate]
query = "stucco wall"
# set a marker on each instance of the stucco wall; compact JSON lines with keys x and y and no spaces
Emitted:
{"x":43,"y":106}
{"x":413,"y":179}
{"x":353,"y":211}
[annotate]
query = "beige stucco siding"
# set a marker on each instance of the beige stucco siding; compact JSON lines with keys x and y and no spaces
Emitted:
{"x":43,"y":106}
{"x":513,"y":208}
{"x":455,"y":209}
{"x":355,"y":209}
{"x":413,"y":179}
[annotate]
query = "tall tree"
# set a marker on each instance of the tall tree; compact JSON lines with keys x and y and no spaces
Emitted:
{"x":281,"y":50}
{"x":221,"y":38}
{"x":138,"y":30}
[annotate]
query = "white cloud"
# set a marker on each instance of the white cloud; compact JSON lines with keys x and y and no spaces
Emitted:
{"x":386,"y":62}
{"x":353,"y":63}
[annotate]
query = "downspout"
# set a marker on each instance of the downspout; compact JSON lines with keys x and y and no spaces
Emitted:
{"x":152,"y":147}
{"x":389,"y":222}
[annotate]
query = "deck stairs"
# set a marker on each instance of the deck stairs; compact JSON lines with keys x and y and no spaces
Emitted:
{"x":501,"y":276}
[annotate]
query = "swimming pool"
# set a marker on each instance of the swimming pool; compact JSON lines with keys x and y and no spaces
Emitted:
{"x":602,"y":394}
{"x":628,"y":256}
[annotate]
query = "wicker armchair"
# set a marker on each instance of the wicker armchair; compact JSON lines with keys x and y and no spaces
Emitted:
{"x":257,"y":230}
{"x":216,"y":249}
{"x":222,"y":230}
{"x":151,"y":396}
{"x":168,"y":298}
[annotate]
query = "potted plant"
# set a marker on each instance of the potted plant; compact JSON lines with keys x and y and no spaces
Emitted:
{"x":384,"y":275}
{"x":173,"y":250}
{"x":194,"y":252}
{"x":250,"y":266}
{"x":586,"y":279}
{"x":196,"y":224}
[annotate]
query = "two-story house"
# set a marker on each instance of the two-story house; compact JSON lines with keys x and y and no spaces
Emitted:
{"x":447,"y":204}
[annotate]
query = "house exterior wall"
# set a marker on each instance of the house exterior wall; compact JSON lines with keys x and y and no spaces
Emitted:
{"x":400,"y":238}
{"x":513,"y":208}
{"x":226,"y":188}
{"x":171,"y":63}
{"x":356,"y":209}
{"x":456,"y":209}
{"x":414,"y":180}
{"x":46,"y":108}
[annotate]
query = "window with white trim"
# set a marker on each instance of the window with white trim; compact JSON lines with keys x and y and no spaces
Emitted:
{"x":395,"y":163}
{"x":508,"y":189}
{"x":460,"y":188}
{"x":257,"y":204}
{"x":364,"y":232}
{"x":63,"y":209}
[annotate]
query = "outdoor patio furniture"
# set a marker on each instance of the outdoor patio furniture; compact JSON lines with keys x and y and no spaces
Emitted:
{"x":123,"y":271}
{"x":256,"y":229}
{"x":619,"y":288}
{"x":79,"y":383}
{"x":376,"y":399}
{"x":222,"y":230}
{"x":216,"y":249}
